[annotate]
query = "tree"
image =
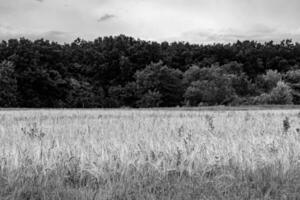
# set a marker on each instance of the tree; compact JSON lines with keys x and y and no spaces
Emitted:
{"x":281,"y":94}
{"x":262,"y":99}
{"x":150,"y":99}
{"x":210,"y":92}
{"x":210,"y":86}
{"x":233,"y":67}
{"x":119,"y":96}
{"x":269,"y":80}
{"x":242,"y":85}
{"x":191,"y":75}
{"x":292,"y":78}
{"x":240,"y":81}
{"x":124,"y":71}
{"x":81,"y":95}
{"x":8,"y":85}
{"x":42,"y":87}
{"x":160,"y":78}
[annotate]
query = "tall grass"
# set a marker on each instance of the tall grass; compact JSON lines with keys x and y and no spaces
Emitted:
{"x":118,"y":154}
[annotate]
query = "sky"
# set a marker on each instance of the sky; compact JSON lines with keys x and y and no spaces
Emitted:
{"x":194,"y":21}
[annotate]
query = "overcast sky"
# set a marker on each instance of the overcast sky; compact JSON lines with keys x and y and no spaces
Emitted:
{"x":196,"y":21}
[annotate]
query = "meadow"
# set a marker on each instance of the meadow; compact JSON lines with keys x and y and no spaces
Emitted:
{"x":149,"y":154}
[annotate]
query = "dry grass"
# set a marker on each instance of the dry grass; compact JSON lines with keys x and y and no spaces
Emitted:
{"x":119,"y":154}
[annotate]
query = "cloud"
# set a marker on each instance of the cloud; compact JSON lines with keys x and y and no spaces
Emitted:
{"x":106,"y":17}
{"x":7,"y":33}
{"x":195,"y":21}
{"x":258,"y":32}
{"x":262,"y":29}
{"x":58,"y":36}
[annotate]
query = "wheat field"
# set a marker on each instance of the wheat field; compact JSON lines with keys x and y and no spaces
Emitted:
{"x":144,"y":154}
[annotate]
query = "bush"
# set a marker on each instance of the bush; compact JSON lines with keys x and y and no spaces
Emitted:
{"x":237,"y":101}
{"x":281,"y":94}
{"x":292,"y":76}
{"x":8,"y":85}
{"x":150,"y":99}
{"x":269,"y":80}
{"x":161,"y":78}
{"x":209,"y":92}
{"x":260,"y":100}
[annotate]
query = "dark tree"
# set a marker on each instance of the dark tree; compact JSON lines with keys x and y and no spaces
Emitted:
{"x":121,"y":71}
{"x":8,"y":85}
{"x":157,"y":77}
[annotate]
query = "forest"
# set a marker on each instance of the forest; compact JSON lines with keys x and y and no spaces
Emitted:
{"x":121,"y":71}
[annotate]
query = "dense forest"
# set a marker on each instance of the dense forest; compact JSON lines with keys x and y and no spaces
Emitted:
{"x":121,"y":71}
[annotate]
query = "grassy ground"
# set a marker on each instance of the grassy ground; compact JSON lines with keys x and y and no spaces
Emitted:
{"x":144,"y":154}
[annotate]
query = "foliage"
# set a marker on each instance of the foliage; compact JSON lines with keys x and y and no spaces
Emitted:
{"x":281,"y":94}
{"x":269,"y":80}
{"x":262,"y":99}
{"x":292,"y":77}
{"x":208,"y":92}
{"x":81,"y":94}
{"x":8,"y":85}
{"x":118,"y":71}
{"x":119,"y":96}
{"x":160,"y":78}
{"x":213,"y":87}
{"x":150,"y":99}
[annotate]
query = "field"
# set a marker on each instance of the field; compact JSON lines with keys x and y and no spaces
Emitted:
{"x":144,"y":154}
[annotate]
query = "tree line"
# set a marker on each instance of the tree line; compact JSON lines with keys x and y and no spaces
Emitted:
{"x":122,"y":71}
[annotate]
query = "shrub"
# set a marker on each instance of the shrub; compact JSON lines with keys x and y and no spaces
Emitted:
{"x":8,"y":85}
{"x":292,"y":76}
{"x":161,"y":78}
{"x":269,"y":80}
{"x":261,"y":99}
{"x":150,"y":99}
{"x":209,"y":92}
{"x":281,"y":94}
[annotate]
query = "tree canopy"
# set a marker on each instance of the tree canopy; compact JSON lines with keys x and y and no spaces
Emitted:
{"x":122,"y":71}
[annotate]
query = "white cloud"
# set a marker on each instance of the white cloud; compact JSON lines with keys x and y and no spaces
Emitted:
{"x":190,"y":20}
